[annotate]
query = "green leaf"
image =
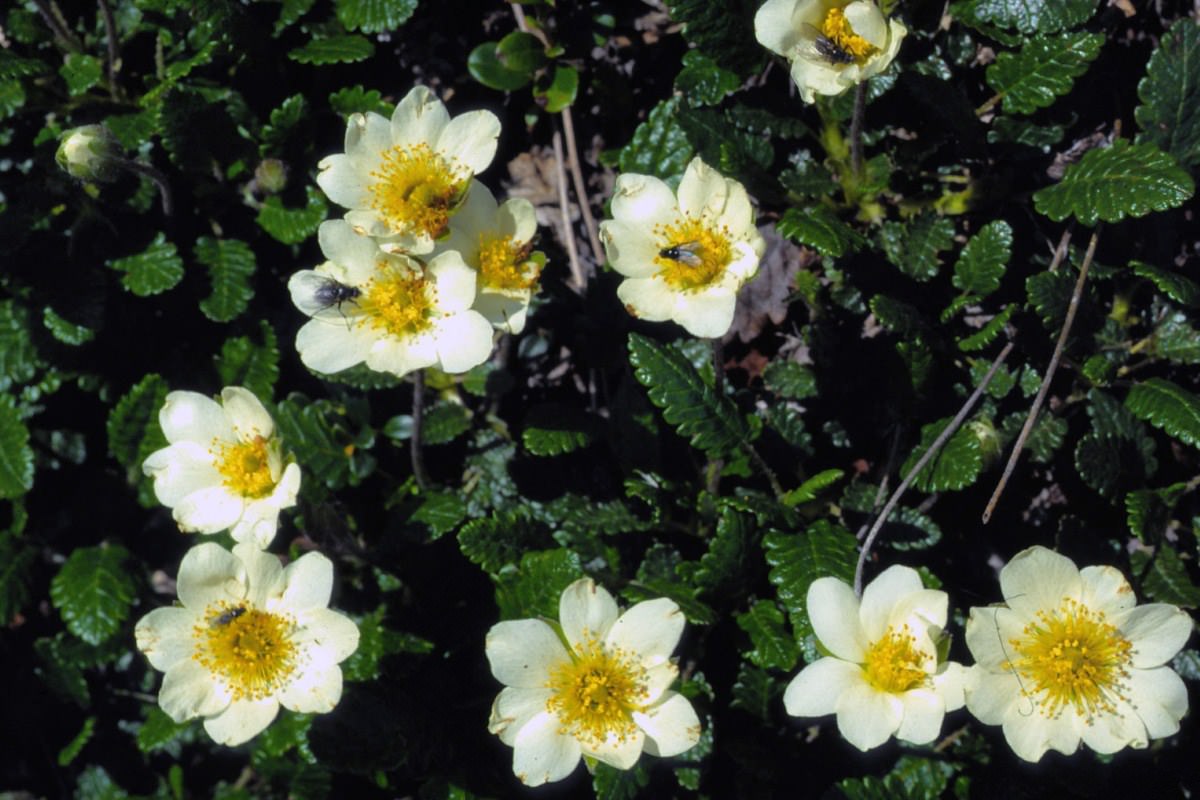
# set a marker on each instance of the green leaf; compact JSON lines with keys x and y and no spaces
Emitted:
{"x":723,"y":30}
{"x":798,"y":559}
{"x":18,"y":357}
{"x":15,"y":66}
{"x":898,"y":317}
{"x":561,"y":91}
{"x":533,"y":589}
{"x":1170,"y":94}
{"x":1148,"y":511}
{"x":756,"y":692}
{"x":725,"y":568}
{"x":255,"y":366}
{"x":334,"y":50}
{"x":1044,"y":69}
{"x":982,"y":262}
{"x":914,"y":247}
{"x":790,"y":380}
{"x":1018,"y":130}
{"x":68,"y":753}
{"x":911,"y":779}
{"x":486,"y":65}
{"x":499,"y":540}
{"x":1165,"y":577}
{"x":552,"y":429}
{"x":160,"y":732}
{"x":376,"y":640}
{"x":988,"y":333}
{"x":316,"y":432}
{"x":441,"y":512}
{"x":81,"y":72}
{"x":374,"y":16}
{"x":93,"y":591}
{"x":95,"y":783}
{"x":811,"y":488}
{"x":292,"y":11}
{"x":659,"y":146}
{"x":905,"y":529}
{"x":702,"y":81}
{"x":292,"y":225}
{"x":807,"y":177}
{"x":1168,"y":407}
{"x":133,"y":130}
{"x":773,"y":647}
{"x":1050,"y":293}
{"x":610,"y":783}
{"x":956,"y":465}
{"x":230,"y":265}
{"x":1115,"y":182}
{"x":282,"y":120}
{"x":16,"y":456}
{"x":709,"y":421}
{"x":819,"y":228}
{"x":357,"y":100}
{"x":64,"y":330}
{"x":133,"y":430}
{"x":1035,"y":16}
{"x":152,"y":271}
{"x":1176,"y":340}
{"x":1181,"y":289}
{"x":17,"y":559}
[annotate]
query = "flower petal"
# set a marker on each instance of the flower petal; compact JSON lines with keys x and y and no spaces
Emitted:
{"x":671,"y":726}
{"x":307,"y":584}
{"x":776,"y":27}
{"x":993,"y":697}
{"x":341,"y":180}
{"x":651,"y":629}
{"x":242,"y":721}
{"x":658,"y":679}
{"x":348,"y":249}
{"x":586,"y":611}
{"x":643,"y":200}
{"x":209,"y":510}
{"x":706,"y":313}
{"x":470,"y":139}
{"x":951,"y":682}
{"x":317,"y":691}
{"x":882,"y":594}
{"x":867,"y":21}
{"x":327,"y":347}
{"x":989,"y":630}
{"x":402,"y":356}
{"x":702,"y":190}
{"x":513,"y":708}
{"x":419,"y":118}
{"x":189,"y":691}
{"x":246,"y":413}
{"x":522,"y":652}
{"x":815,"y":691}
{"x":331,"y":634}
{"x":1030,"y":736}
{"x":1160,"y":699}
{"x":1157,"y":632}
{"x":833,"y":609}
{"x":629,"y":248}
{"x":541,"y":754}
{"x":1105,"y":589}
{"x":1108,"y":733}
{"x":867,"y":717}
{"x":264,"y":575}
{"x":620,"y":752}
{"x":923,"y":715}
{"x":165,"y":636}
{"x":464,"y":341}
{"x":210,"y":574}
{"x":648,"y":298}
{"x":180,"y":469}
{"x":1038,"y":579}
{"x":193,"y":417}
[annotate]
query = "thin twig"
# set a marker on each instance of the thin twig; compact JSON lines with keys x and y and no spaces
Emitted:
{"x":856,"y":128}
{"x":160,"y":180}
{"x":1059,"y":346}
{"x":114,"y":57}
{"x":585,"y":207}
{"x":418,"y":407}
{"x":564,"y":208}
{"x":54,"y":21}
{"x":925,"y":458}
{"x":989,"y":105}
{"x":881,"y":492}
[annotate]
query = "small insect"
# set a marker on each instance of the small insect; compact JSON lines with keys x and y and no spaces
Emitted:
{"x":229,"y":616}
{"x":684,"y":253}
{"x":334,"y":293}
{"x":314,"y":292}
{"x":827,"y":49}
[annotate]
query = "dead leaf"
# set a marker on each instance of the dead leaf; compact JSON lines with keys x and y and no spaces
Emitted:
{"x":765,"y":297}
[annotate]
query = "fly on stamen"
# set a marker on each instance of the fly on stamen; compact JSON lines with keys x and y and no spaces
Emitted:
{"x":684,"y":253}
{"x":228,"y":616}
{"x":824,"y":48}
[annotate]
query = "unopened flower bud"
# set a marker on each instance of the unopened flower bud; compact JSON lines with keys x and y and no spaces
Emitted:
{"x":271,"y":176}
{"x":89,"y":153}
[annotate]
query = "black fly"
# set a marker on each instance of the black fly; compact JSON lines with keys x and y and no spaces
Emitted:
{"x":334,"y":293}
{"x":685,"y":253}
{"x":229,"y":616}
{"x":827,"y":49}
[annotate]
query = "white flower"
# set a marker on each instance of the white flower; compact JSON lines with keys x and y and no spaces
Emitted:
{"x":596,"y":686}
{"x":403,"y":180}
{"x":883,"y":677}
{"x":386,"y":309}
{"x":684,"y":258}
{"x":249,"y":637}
{"x":223,"y":467}
{"x":89,"y":152}
{"x":831,"y":44}
{"x":1071,"y":656}
{"x":495,"y":240}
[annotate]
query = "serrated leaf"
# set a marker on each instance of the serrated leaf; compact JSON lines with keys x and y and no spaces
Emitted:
{"x":819,"y":228}
{"x":982,"y":262}
{"x":441,"y":512}
{"x":374,"y":16}
{"x":905,"y":529}
{"x":956,"y":465}
{"x":334,"y":50}
{"x":15,"y":66}
{"x":702,"y":81}
{"x":1050,"y":293}
{"x":1168,"y":407}
{"x":807,"y":177}
{"x":1170,"y":94}
{"x":245,"y":363}
{"x":725,"y":568}
{"x":1125,"y":180}
{"x":501,"y":539}
{"x":1177,"y":341}
{"x":133,"y":130}
{"x":152,"y":271}
{"x":709,"y":421}
{"x":789,"y":379}
{"x":533,"y":589}
{"x":1018,"y":130}
{"x":315,"y":433}
{"x":773,"y":647}
{"x":159,"y":731}
{"x":1035,"y":16}
{"x":723,"y":30}
{"x":282,"y":120}
{"x":132,"y":426}
{"x":1147,"y":511}
{"x":911,"y":779}
{"x":914,"y":247}
{"x":64,"y":330}
{"x":659,"y":145}
{"x":756,"y":692}
{"x":357,"y":100}
{"x":610,"y":783}
{"x":93,"y":592}
{"x":798,"y":559}
{"x":898,"y":317}
{"x":1164,"y":577}
{"x":1181,"y":289}
{"x":230,"y":265}
{"x":19,"y":360}
{"x":988,"y":333}
{"x":723,"y":140}
{"x":552,"y":429}
{"x":291,"y":11}
{"x":81,"y":72}
{"x":68,"y":753}
{"x":811,"y":488}
{"x":16,"y":456}
{"x":1045,"y":68}
{"x":375,"y":641}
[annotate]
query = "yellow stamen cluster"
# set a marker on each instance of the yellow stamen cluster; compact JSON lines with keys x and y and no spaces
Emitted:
{"x":894,"y":664}
{"x":245,"y":467}
{"x":505,"y":264}
{"x":595,"y":694}
{"x":416,"y":189}
{"x":837,"y":29}
{"x":693,"y":255}
{"x":398,"y":301}
{"x":250,"y":650}
{"x":1073,"y":658}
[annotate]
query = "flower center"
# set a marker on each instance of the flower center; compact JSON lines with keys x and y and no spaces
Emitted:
{"x":398,"y":300}
{"x":894,"y":664}
{"x":694,"y":255}
{"x":596,"y":693}
{"x":416,"y":189}
{"x":504,"y":264}
{"x":246,"y":467}
{"x":836,"y":28}
{"x":250,"y":650}
{"x":1073,"y":658}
